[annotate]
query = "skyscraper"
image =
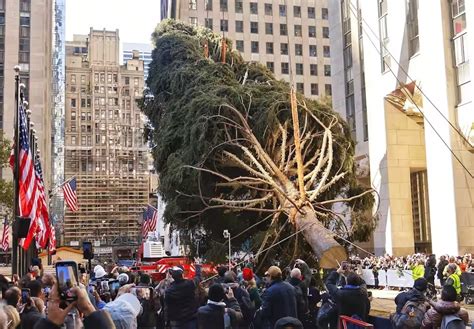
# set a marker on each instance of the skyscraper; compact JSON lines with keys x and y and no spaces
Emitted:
{"x":144,"y":50}
{"x":105,"y":149}
{"x":290,"y":37}
{"x":26,"y":40}
{"x":402,"y":80}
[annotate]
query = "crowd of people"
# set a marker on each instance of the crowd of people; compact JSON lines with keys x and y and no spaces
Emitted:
{"x":234,"y":299}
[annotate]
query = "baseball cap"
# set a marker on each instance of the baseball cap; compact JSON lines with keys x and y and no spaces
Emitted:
{"x":273,"y":271}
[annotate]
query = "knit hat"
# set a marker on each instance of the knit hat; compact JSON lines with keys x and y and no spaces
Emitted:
{"x":216,"y":293}
{"x":123,"y":279}
{"x":420,"y":284}
{"x":247,"y":274}
{"x":99,"y":272}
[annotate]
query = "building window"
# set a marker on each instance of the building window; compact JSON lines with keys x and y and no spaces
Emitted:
{"x":25,"y":6}
{"x":383,"y":31}
{"x":412,"y":22}
{"x":239,"y":45}
{"x":208,"y":4}
{"x":239,"y":26}
{"x":269,"y":47}
{"x":269,"y":28}
{"x":224,"y":25}
{"x":253,"y":27}
{"x":299,"y":68}
{"x":24,"y":21}
{"x":326,"y":32}
{"x":193,"y":21}
{"x":314,"y":89}
{"x":350,"y":114}
{"x":239,"y":6}
{"x":271,"y":66}
{"x":254,"y":47}
{"x":282,"y":9}
{"x":254,"y":8}
{"x":73,"y":104}
{"x":73,"y":140}
{"x":283,"y":29}
{"x":326,"y":51}
{"x":461,"y":52}
{"x":193,"y":4}
{"x":420,"y":211}
{"x":328,"y":90}
{"x":324,"y":13}
{"x":285,"y":69}
{"x":312,"y":31}
{"x":73,"y":79}
{"x":313,"y":69}
{"x":298,"y":49}
{"x":313,"y":51}
{"x":327,"y":70}
{"x":300,"y":87}
{"x":268,"y":9}
{"x":283,"y":48}
{"x":224,"y":5}
{"x":297,"y":11}
{"x":298,"y":31}
{"x":208,"y":23}
{"x":311,"y":12}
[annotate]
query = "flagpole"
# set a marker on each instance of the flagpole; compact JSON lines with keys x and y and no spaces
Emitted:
{"x":16,"y":212}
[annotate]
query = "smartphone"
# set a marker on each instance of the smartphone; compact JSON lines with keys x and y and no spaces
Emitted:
{"x":66,"y":274}
{"x":46,"y":292}
{"x":25,"y":295}
{"x":91,"y":288}
{"x":104,"y":286}
{"x":114,"y":286}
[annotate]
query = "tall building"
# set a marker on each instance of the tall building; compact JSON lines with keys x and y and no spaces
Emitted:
{"x":144,"y":51}
{"x":290,"y":37}
{"x":401,"y":78}
{"x":26,"y":40}
{"x":105,"y":149}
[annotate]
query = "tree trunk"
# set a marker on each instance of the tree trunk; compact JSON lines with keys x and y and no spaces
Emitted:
{"x":328,"y":251}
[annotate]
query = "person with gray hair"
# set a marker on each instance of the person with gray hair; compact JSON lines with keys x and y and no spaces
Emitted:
{"x":301,"y":293}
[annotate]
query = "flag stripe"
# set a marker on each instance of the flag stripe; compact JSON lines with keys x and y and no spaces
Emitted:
{"x":70,"y":194}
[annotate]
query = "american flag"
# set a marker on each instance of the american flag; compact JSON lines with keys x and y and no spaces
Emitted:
{"x":42,"y":216}
{"x":28,"y":185}
{"x":150,"y":218}
{"x":52,"y":239}
{"x":70,"y":195}
{"x":6,"y":233}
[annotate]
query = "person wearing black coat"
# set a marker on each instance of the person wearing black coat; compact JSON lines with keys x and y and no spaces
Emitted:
{"x":220,"y":303}
{"x":351,"y":299}
{"x":430,"y":272}
{"x":243,"y":298}
{"x":279,"y":300}
{"x":181,"y":302}
{"x":415,"y":294}
{"x":301,"y":294}
{"x":441,"y":265}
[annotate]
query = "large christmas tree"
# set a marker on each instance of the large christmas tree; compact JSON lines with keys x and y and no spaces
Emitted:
{"x":235,"y":147}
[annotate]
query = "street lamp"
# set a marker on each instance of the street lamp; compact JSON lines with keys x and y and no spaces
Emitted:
{"x":226,"y":234}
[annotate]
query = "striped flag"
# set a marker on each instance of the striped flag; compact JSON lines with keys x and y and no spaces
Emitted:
{"x":70,"y":195}
{"x":6,"y":234}
{"x":42,"y":216}
{"x":28,"y":185}
{"x":52,"y":239}
{"x":150,"y":218}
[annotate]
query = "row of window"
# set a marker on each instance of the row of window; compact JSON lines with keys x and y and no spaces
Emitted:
{"x":314,"y":89}
{"x":299,"y":69}
{"x":254,"y":9}
{"x":100,"y":78}
{"x":284,"y":50}
{"x":254,"y":28}
{"x":102,"y":140}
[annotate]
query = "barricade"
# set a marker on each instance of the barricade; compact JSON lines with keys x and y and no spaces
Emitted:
{"x":345,"y":320}
{"x":403,"y":279}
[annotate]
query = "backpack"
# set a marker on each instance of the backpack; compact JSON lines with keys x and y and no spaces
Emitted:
{"x":452,"y":322}
{"x":411,"y":316}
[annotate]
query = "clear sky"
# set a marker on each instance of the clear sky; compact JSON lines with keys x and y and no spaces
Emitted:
{"x":135,"y":19}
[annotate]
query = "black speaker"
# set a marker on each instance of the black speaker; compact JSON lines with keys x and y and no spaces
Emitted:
{"x":23,"y":225}
{"x":87,"y":250}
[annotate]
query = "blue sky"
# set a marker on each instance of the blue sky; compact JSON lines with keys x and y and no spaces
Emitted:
{"x":135,"y":19}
